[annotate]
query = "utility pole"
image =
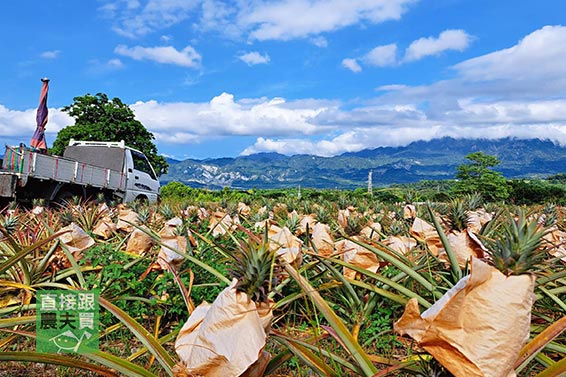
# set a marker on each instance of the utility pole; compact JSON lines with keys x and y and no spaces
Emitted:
{"x":299,"y":192}
{"x":370,"y":182}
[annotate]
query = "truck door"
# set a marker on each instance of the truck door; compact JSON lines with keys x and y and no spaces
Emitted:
{"x":142,"y":181}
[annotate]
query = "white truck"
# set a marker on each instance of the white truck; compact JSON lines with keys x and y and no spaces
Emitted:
{"x":86,"y":169}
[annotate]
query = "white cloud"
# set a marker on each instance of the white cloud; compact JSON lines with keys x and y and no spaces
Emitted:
{"x":386,"y":55}
{"x":98,"y":67}
{"x":343,"y":143}
{"x":21,"y":124}
{"x":260,"y":20}
{"x":352,"y":65}
{"x":539,"y":55}
{"x":219,"y":15}
{"x":253,"y":58}
{"x":391,"y":87}
{"x":289,"y":19}
{"x":457,"y":40}
{"x":319,"y":41}
{"x":116,"y":63}
{"x":223,"y":116}
{"x":382,"y":56}
{"x":132,"y":19}
{"x":187,"y":57}
{"x":53,"y":54}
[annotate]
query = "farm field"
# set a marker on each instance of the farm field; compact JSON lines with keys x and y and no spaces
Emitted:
{"x":252,"y":284}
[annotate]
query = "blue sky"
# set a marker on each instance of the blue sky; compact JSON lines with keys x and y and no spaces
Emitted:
{"x":223,"y":78}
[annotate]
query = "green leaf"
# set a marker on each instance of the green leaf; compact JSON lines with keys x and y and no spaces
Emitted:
{"x":537,"y":344}
{"x":353,"y":347}
{"x":68,"y":361}
{"x":142,"y":334}
{"x":123,"y":366}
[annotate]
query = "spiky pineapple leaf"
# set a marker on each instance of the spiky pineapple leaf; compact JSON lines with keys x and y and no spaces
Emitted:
{"x":519,"y":248}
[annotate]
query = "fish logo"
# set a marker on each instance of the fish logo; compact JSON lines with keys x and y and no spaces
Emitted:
{"x":68,"y":341}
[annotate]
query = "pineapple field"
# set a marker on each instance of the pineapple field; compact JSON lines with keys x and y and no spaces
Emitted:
{"x":282,"y":284}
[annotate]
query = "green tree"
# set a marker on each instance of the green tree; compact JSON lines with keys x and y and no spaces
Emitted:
{"x":98,"y":118}
{"x":477,"y":176}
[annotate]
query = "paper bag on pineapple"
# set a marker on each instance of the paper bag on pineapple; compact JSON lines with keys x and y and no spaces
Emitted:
{"x":283,"y":238}
{"x":202,"y":213}
{"x":286,"y":245}
{"x":170,"y":227}
{"x":425,"y":232}
{"x":127,"y":217}
{"x":309,"y":220}
{"x":104,"y":227}
{"x":465,"y":245}
{"x":273,"y":229}
{"x":223,"y":339}
{"x":343,"y":216}
{"x":139,"y":242}
{"x":168,"y":259}
{"x":358,"y":256}
{"x":479,"y":326}
{"x":243,"y":209}
{"x":220,"y":223}
{"x":75,"y":239}
{"x":477,"y":219}
{"x":556,"y":241}
{"x":409,"y":211}
{"x":262,"y":224}
{"x":371,"y":231}
{"x":322,"y":239}
{"x":401,"y":244}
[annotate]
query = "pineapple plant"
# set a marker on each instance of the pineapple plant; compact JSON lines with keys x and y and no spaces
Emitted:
{"x":67,"y":217}
{"x":354,"y":224}
{"x":322,"y":214}
{"x":167,"y":212}
{"x":549,"y":215}
{"x":343,"y":201}
{"x":144,"y":215}
{"x":210,"y":343}
{"x":398,"y":228}
{"x":519,"y":248}
{"x":465,"y":321}
{"x":473,"y":201}
{"x":253,"y":268}
{"x":457,"y":215}
{"x":292,"y":222}
{"x":9,"y":224}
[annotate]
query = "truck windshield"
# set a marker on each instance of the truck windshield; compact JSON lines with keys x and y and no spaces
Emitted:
{"x":141,"y":164}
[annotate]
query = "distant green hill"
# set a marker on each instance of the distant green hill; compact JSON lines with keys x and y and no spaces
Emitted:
{"x":431,"y":160}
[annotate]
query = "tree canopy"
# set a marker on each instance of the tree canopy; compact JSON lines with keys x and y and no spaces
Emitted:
{"x":98,"y":118}
{"x":477,"y":176}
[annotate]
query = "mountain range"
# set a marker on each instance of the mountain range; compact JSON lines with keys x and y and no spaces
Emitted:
{"x":436,"y":159}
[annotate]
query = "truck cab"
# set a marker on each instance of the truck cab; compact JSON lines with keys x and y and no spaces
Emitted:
{"x":142,"y":182}
{"x":138,"y":180}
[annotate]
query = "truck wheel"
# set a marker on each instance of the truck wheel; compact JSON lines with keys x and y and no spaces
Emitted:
{"x":63,"y":198}
{"x":142,"y":199}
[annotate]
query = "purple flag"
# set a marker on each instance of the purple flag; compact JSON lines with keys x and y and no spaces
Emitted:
{"x":38,"y":138}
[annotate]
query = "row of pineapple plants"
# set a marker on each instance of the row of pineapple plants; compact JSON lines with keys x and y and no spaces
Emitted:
{"x":323,"y":291}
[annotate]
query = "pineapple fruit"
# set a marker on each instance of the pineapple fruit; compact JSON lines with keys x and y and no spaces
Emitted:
{"x":226,"y":338}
